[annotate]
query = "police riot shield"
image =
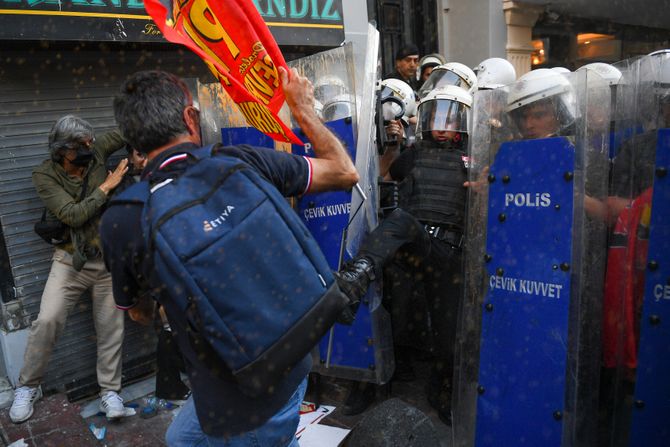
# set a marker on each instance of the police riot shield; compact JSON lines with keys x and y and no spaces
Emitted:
{"x":489,"y":130}
{"x":635,"y":398}
{"x":529,"y":342}
{"x":362,"y":351}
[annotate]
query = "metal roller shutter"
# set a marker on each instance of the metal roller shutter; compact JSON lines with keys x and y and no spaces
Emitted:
{"x":36,"y":87}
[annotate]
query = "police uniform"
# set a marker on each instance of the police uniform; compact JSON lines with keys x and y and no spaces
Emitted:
{"x":425,"y":237}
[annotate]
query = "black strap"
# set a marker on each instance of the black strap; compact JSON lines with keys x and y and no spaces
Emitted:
{"x":84,"y":185}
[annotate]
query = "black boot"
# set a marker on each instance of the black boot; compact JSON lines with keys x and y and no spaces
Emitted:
{"x":354,"y":280}
{"x":439,"y":392}
{"x":355,"y":277}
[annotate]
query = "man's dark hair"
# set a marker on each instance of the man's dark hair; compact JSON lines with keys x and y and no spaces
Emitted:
{"x":149,"y":109}
{"x":407,"y":50}
{"x":68,"y":132}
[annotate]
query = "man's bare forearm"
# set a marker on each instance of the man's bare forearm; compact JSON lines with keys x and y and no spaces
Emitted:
{"x":332,"y":168}
{"x":338,"y":170}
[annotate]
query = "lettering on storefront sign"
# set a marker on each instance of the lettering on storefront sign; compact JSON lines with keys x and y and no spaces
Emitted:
{"x":526,"y":286}
{"x":150,"y":29}
{"x":87,"y":4}
{"x":316,"y":10}
{"x":298,"y":9}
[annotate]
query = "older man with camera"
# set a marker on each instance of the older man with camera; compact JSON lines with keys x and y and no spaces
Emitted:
{"x":74,"y":186}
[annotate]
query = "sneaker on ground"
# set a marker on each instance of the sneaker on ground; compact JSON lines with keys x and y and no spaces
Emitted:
{"x":22,"y":407}
{"x":112,"y":405}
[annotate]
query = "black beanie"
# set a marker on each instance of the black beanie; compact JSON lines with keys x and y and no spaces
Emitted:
{"x":407,"y":50}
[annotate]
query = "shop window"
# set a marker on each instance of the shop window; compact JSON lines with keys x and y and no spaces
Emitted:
{"x":540,"y":52}
{"x":598,"y":47}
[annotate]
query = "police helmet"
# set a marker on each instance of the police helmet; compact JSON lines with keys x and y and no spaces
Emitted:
{"x":664,"y":52}
{"x":328,"y":87}
{"x":338,"y":107}
{"x":397,"y":98}
{"x":430,"y":60}
{"x":451,"y":73}
{"x":560,"y":70}
{"x":494,"y":72}
{"x":543,"y":86}
{"x":446,"y":108}
{"x":661,"y":72}
{"x":610,"y":74}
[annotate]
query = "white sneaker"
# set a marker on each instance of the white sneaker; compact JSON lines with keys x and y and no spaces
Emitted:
{"x":112,"y":405}
{"x":22,"y":407}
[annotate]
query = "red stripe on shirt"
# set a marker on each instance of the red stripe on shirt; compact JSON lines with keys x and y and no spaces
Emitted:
{"x":118,"y":306}
{"x":173,"y":159}
{"x":309,"y":174}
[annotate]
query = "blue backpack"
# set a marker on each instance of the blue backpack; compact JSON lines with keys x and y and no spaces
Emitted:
{"x":240,"y":264}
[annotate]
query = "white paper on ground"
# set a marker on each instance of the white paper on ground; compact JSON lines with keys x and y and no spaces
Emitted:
{"x":319,"y":435}
{"x":313,"y":417}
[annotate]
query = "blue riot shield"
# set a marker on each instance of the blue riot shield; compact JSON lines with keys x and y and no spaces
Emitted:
{"x":634,"y":398}
{"x":361,"y":351}
{"x":524,"y":335}
{"x":651,"y":401}
{"x":529,"y":342}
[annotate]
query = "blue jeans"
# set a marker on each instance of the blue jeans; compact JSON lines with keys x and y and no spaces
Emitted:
{"x":278,"y":431}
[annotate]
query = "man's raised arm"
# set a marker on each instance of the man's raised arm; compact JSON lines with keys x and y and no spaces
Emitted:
{"x":333,"y":168}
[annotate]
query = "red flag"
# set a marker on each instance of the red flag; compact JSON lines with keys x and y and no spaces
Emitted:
{"x":236,"y":44}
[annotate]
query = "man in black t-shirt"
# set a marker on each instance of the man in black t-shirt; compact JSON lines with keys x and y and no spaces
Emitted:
{"x":156,"y":115}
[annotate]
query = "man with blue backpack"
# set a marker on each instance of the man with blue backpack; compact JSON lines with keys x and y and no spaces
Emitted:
{"x":243,"y":284}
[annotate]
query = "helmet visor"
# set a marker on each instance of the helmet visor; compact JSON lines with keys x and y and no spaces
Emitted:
{"x":442,"y":115}
{"x":336,"y":110}
{"x":438,"y":78}
{"x":387,"y":91}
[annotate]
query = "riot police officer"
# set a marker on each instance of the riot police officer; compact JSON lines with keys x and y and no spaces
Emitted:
{"x":398,"y":107}
{"x":451,"y":73}
{"x":542,"y":105}
{"x":427,"y":64}
{"x":494,"y":72}
{"x":425,"y":234}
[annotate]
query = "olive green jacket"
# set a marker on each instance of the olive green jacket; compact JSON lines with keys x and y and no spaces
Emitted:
{"x":60,"y":193}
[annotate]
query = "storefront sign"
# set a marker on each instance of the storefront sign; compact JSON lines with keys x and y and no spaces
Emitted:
{"x":317,"y":23}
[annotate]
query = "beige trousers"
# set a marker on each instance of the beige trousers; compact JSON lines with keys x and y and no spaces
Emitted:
{"x":63,"y":289}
